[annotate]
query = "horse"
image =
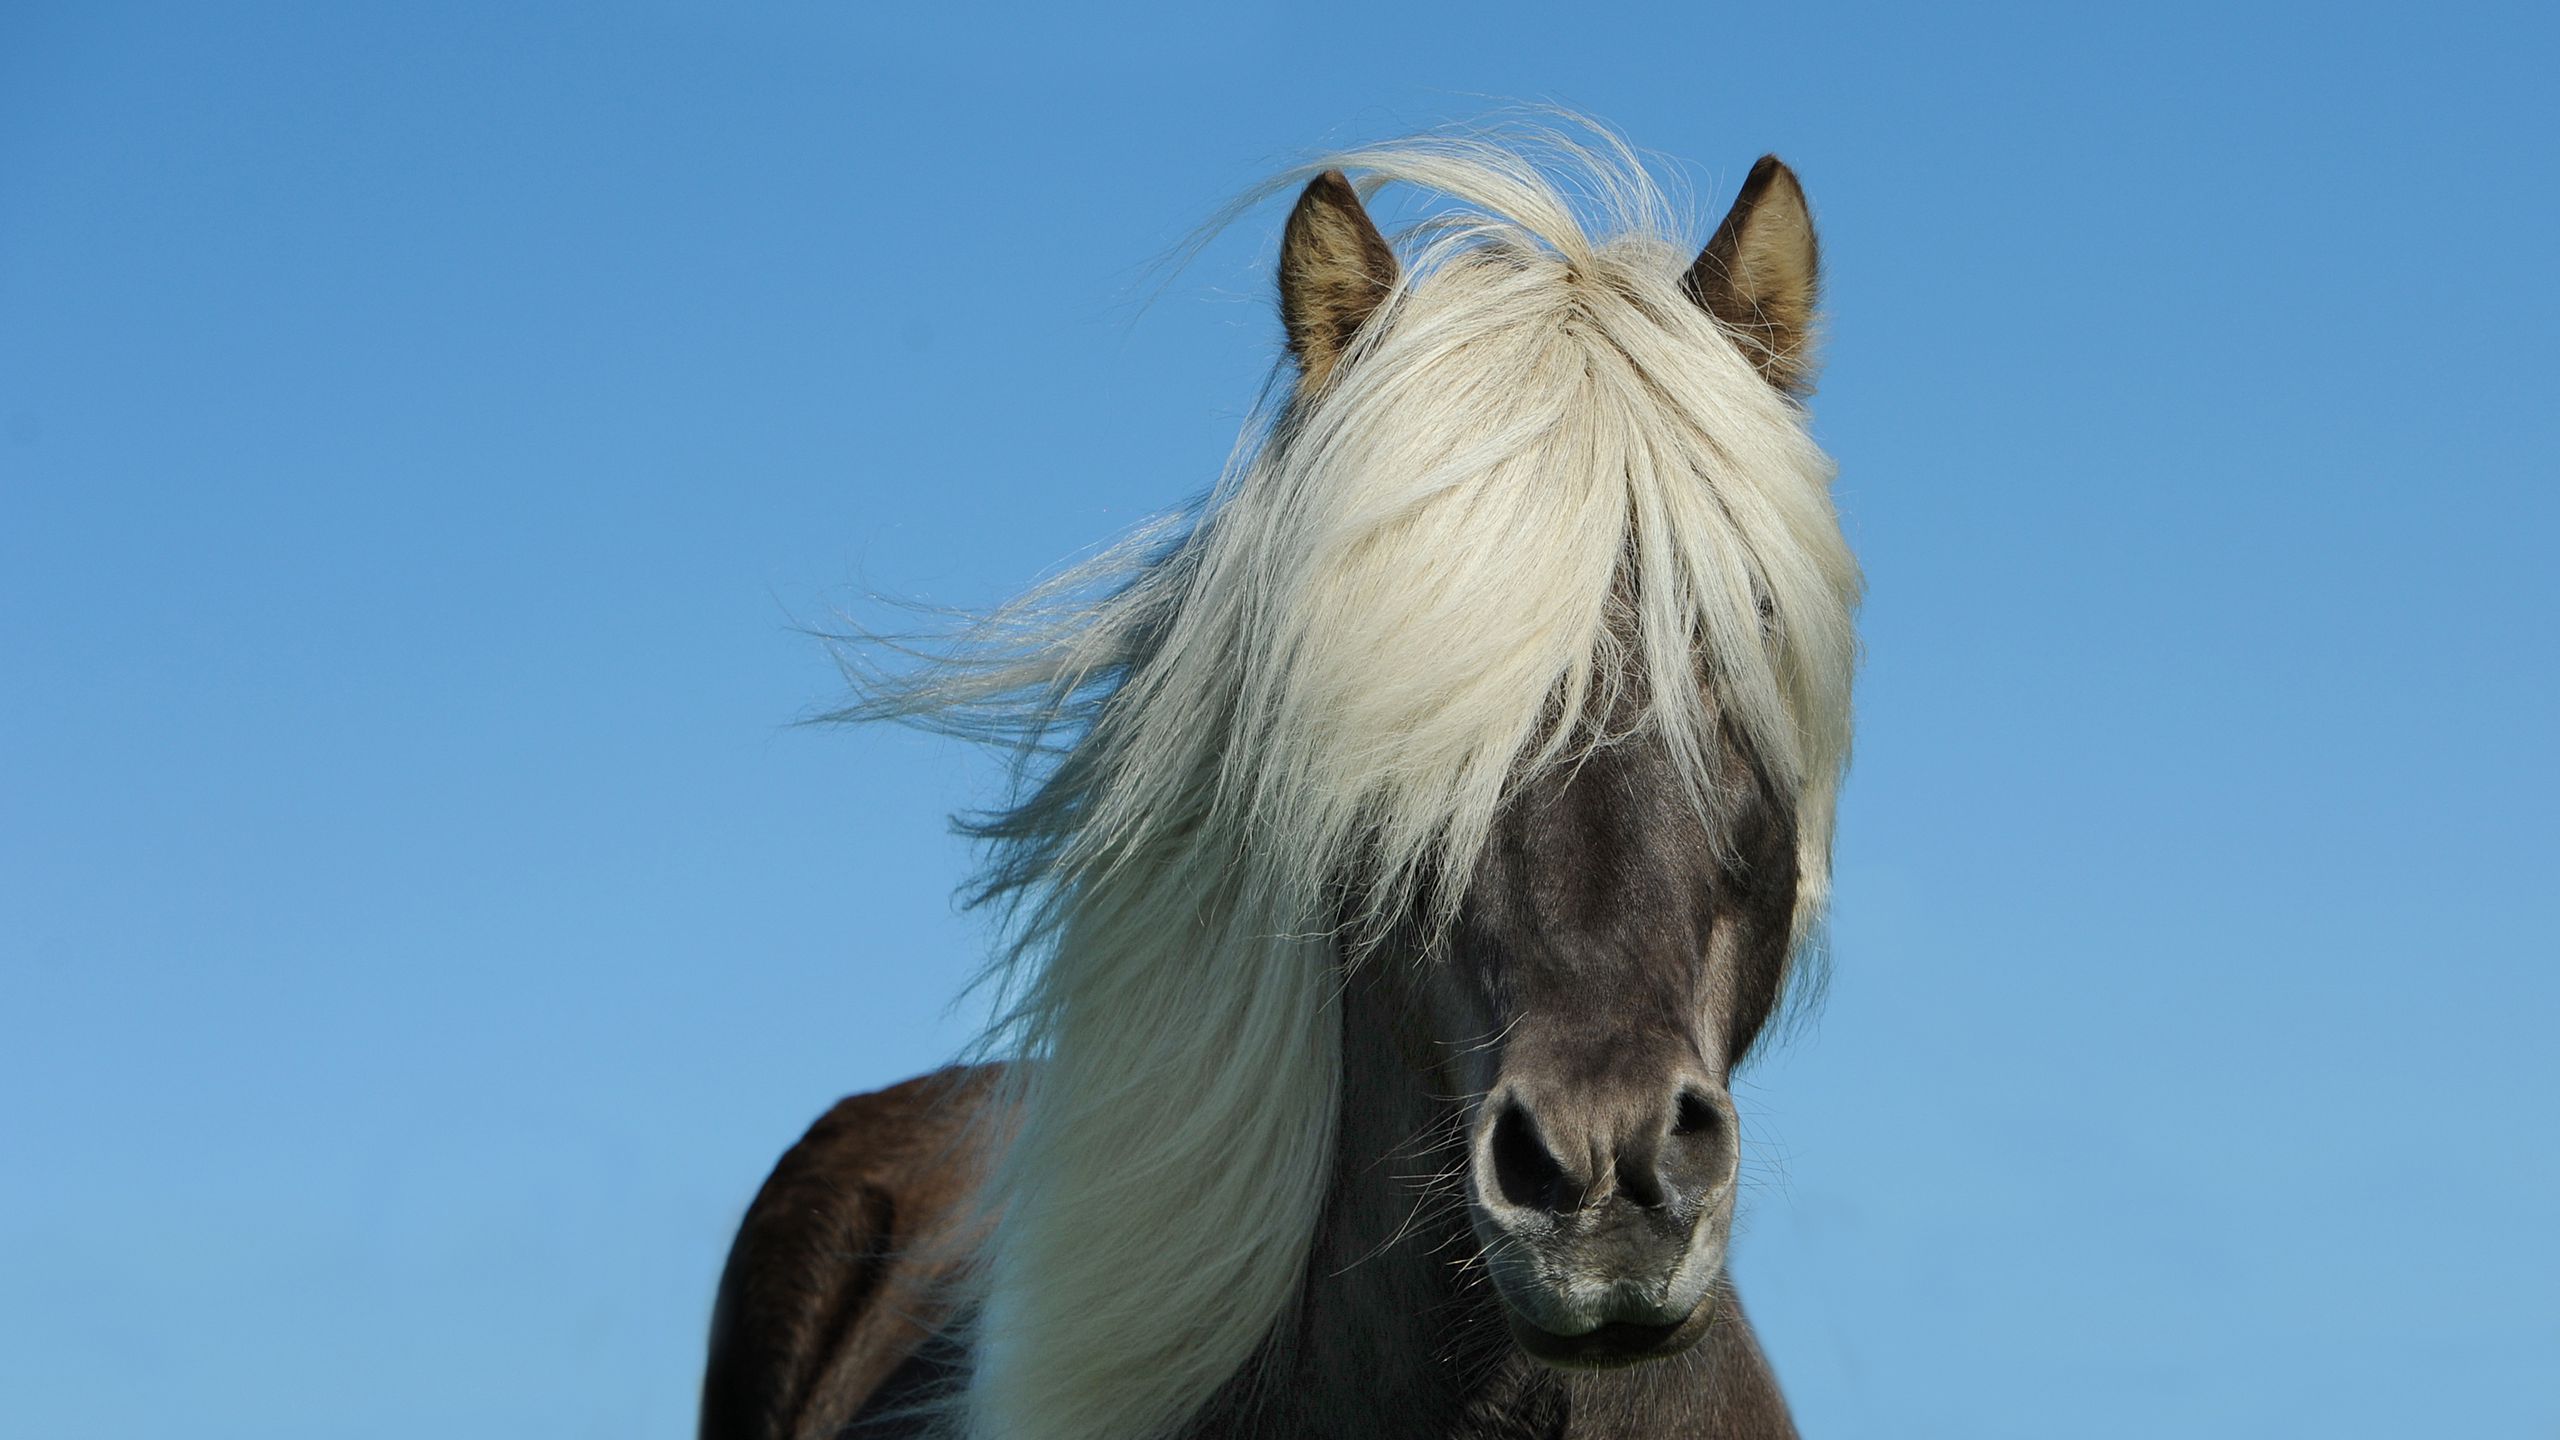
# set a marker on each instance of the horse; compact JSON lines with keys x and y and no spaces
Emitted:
{"x":1410,"y":839}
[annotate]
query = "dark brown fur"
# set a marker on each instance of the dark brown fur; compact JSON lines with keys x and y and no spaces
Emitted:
{"x":820,"y":1323}
{"x":839,"y":1269}
{"x":1397,"y":1335}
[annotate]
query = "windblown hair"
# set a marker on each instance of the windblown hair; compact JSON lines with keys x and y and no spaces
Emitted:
{"x":1544,"y":481}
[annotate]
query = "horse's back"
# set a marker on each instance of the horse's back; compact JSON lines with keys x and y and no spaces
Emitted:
{"x":837,"y":1284}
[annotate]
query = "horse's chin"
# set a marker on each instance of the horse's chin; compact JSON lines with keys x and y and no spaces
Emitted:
{"x":1577,"y":1310}
{"x":1613,"y":1345}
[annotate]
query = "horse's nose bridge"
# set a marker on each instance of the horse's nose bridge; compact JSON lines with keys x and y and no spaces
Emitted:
{"x":1617,"y":1118}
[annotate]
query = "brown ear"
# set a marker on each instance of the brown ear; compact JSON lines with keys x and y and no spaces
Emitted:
{"x":1335,"y":270}
{"x":1761,"y":276}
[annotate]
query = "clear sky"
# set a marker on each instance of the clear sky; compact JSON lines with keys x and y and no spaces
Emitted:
{"x":426,"y":433}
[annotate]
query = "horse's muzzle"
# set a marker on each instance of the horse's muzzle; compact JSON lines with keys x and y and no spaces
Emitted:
{"x":1604,"y":1224}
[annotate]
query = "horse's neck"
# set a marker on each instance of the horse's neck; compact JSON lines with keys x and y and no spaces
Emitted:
{"x":1396,"y":1331}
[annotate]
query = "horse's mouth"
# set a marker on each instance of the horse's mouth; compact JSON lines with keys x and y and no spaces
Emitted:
{"x":1617,"y":1343}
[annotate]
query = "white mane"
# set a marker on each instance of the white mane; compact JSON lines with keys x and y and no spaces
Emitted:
{"x":1544,"y":467}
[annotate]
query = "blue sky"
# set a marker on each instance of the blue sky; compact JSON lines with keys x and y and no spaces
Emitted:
{"x":426,"y":434}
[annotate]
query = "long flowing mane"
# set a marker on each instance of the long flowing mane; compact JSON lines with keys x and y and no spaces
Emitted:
{"x":1545,"y":481}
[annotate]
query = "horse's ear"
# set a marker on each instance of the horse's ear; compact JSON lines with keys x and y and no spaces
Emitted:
{"x":1761,"y":275}
{"x":1335,"y":270}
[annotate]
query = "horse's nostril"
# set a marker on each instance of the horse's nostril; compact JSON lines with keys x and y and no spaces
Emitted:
{"x":1523,"y":1169}
{"x":1696,"y":1115}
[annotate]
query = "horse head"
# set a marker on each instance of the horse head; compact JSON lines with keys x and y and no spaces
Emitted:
{"x":1624,"y":929}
